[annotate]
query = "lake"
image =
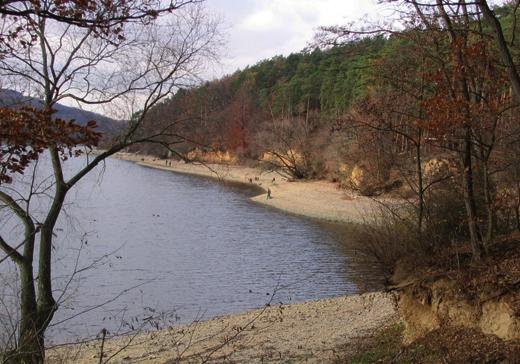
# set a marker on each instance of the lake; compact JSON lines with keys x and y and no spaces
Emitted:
{"x":164,"y":248}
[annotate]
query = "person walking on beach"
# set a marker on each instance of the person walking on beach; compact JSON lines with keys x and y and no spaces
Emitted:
{"x":268,"y":194}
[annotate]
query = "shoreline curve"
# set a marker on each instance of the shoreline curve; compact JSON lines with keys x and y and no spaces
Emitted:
{"x":318,"y":199}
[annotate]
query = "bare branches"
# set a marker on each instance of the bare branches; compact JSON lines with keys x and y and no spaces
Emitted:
{"x":10,"y":251}
{"x":104,"y":18}
{"x":17,"y":210}
{"x":505,"y":53}
{"x":121,"y":53}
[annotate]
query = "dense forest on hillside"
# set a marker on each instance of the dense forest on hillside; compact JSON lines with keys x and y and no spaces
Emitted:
{"x":426,"y":112}
{"x":282,"y":105}
{"x":296,"y":113}
{"x":109,"y":127}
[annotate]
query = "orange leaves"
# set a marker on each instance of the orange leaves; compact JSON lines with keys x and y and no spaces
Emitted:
{"x":445,"y":113}
{"x":26,"y":132}
{"x":468,"y":89}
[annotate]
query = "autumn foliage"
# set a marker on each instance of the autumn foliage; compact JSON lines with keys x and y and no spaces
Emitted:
{"x":26,"y":133}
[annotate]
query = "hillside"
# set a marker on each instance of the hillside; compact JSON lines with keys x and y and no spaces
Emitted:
{"x":310,"y":90}
{"x":11,"y":98}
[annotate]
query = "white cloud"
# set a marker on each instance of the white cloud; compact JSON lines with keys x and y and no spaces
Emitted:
{"x":261,"y":29}
{"x":263,"y":19}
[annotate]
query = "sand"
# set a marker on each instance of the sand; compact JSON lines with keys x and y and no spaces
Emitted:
{"x":311,"y":332}
{"x":316,"y":199}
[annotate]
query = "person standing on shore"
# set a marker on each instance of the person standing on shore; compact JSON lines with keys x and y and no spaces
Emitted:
{"x":268,"y":194}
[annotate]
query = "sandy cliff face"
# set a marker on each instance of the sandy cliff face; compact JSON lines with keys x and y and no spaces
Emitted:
{"x":427,"y":307}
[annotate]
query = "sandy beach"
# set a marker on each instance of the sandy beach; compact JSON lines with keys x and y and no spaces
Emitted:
{"x":311,"y":332}
{"x":315,"y":199}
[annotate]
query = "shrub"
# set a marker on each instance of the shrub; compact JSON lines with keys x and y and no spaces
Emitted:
{"x":387,"y":235}
{"x":390,"y":233}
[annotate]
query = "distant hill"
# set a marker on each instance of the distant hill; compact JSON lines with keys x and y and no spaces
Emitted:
{"x":10,"y":98}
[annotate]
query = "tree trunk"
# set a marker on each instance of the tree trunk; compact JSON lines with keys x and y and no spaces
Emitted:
{"x":31,"y":348}
{"x":420,"y":190}
{"x":469,"y":198}
{"x":505,"y":53}
{"x":38,"y":311}
{"x":517,"y":207}
{"x":46,"y":302}
{"x":491,"y":220}
{"x":31,"y":339}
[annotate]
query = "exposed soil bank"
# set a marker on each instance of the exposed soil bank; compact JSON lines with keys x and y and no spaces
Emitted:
{"x":452,"y":291}
{"x":311,"y":332}
{"x":315,"y":199}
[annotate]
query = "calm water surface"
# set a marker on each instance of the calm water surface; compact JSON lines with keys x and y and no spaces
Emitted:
{"x":189,"y":247}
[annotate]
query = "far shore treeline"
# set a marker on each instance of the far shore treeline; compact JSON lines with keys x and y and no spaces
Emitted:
{"x":290,"y":103}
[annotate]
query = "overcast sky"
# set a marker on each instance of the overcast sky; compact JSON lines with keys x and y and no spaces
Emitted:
{"x":260,"y":29}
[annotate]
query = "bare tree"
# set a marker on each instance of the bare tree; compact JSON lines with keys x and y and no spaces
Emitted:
{"x":134,"y":62}
{"x":503,"y":47}
{"x":286,"y":145}
{"x":457,"y":101}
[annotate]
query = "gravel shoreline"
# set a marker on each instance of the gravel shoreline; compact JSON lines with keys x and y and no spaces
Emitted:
{"x":312,"y":332}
